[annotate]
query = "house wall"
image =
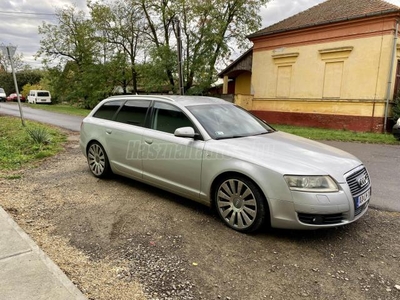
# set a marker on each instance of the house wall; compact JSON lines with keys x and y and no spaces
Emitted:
{"x":245,"y":101}
{"x":334,"y":77}
{"x":243,"y":83}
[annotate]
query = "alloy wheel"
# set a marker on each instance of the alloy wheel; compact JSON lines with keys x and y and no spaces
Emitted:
{"x":237,"y":204}
{"x":97,"y":160}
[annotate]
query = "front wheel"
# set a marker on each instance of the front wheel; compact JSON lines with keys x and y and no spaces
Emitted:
{"x":240,"y":203}
{"x":98,"y":160}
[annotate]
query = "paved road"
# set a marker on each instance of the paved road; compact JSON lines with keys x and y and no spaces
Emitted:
{"x":62,"y":120}
{"x":382,"y":161}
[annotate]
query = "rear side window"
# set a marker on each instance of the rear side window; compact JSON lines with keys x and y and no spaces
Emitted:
{"x":43,"y":94}
{"x":134,"y":112}
{"x":108,"y":110}
{"x":168,"y":118}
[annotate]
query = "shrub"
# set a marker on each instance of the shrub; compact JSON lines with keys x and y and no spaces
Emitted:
{"x":396,"y":108}
{"x":39,"y":135}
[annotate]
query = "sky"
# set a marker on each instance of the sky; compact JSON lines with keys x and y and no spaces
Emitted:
{"x":20,"y":20}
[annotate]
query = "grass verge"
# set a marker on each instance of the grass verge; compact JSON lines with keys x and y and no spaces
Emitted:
{"x":17,"y":148}
{"x":62,"y":108}
{"x":339,"y":135}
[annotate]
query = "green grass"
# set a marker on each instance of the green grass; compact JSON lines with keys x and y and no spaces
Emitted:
{"x":17,"y":148}
{"x":62,"y":108}
{"x":339,"y":135}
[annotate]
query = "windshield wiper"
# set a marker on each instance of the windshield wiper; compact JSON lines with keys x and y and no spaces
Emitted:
{"x":266,"y":132}
{"x":231,"y":137}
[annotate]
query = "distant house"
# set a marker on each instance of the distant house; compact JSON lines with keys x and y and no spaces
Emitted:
{"x":335,"y":65}
{"x":237,"y":79}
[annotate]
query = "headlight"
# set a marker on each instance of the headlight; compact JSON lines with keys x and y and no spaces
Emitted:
{"x":316,"y":184}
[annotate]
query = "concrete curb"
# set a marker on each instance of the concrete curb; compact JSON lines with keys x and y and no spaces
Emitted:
{"x":58,"y":280}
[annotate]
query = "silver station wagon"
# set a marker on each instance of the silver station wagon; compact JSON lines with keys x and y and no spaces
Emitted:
{"x":216,"y":153}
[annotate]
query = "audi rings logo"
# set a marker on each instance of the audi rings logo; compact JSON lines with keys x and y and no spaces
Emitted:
{"x":362,"y":180}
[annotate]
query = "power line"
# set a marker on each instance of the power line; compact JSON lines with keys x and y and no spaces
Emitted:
{"x":25,"y":13}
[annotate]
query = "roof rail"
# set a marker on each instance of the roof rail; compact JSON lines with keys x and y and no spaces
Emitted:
{"x":144,"y":96}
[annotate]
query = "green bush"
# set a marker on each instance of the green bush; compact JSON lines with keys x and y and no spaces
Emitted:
{"x":396,"y":108}
{"x":39,"y":135}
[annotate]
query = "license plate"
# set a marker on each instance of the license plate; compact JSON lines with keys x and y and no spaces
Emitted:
{"x":360,"y":200}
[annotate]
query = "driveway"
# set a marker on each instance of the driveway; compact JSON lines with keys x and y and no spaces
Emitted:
{"x":382,"y":161}
{"x":121,"y":239}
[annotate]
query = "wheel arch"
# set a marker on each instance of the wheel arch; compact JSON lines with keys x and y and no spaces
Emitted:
{"x":92,"y":141}
{"x":227,"y":174}
{"x":109,"y":169}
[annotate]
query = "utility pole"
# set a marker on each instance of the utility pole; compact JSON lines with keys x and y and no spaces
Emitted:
{"x":180,"y":65}
{"x":389,"y":86}
{"x":9,"y":51}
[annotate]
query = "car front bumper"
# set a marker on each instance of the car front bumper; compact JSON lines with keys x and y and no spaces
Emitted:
{"x":317,"y":210}
{"x":288,"y":218}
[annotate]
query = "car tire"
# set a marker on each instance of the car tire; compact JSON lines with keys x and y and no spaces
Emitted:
{"x":98,"y":160}
{"x":240,"y":203}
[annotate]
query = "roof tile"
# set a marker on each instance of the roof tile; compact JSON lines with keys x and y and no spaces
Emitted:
{"x":329,"y":12}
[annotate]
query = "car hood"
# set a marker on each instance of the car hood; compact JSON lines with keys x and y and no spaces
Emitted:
{"x":287,"y":154}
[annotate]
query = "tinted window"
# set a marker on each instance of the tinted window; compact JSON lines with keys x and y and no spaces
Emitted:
{"x":168,"y":118}
{"x":133,"y":112}
{"x":43,"y":94}
{"x":108,"y":110}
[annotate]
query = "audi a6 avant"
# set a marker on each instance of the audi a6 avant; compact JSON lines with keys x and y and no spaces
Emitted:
{"x":216,"y":153}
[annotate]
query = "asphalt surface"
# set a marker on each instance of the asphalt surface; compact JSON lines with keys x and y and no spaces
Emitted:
{"x":383,"y":164}
{"x":62,"y":120}
{"x":382,"y":161}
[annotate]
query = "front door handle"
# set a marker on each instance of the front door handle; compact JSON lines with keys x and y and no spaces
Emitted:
{"x":148,"y":141}
{"x":108,"y":131}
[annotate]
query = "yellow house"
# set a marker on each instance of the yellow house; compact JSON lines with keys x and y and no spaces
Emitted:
{"x":334,"y":65}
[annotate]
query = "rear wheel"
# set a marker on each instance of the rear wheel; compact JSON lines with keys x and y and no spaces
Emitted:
{"x":240,"y":203}
{"x":98,"y":160}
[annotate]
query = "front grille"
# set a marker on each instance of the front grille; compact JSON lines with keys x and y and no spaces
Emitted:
{"x":320,"y":219}
{"x":355,"y":181}
{"x":352,"y":181}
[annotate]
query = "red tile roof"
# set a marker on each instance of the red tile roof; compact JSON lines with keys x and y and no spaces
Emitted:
{"x":329,"y":12}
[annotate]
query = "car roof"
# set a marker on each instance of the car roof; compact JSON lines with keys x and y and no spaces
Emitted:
{"x":185,"y":100}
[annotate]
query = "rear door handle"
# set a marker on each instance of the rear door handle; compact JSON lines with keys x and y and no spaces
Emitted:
{"x":148,"y":141}
{"x":108,"y":131}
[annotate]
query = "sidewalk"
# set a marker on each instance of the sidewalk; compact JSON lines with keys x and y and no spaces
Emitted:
{"x":26,"y":272}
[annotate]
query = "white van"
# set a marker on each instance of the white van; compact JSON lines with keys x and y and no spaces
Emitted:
{"x":3,"y":95}
{"x":39,"y":96}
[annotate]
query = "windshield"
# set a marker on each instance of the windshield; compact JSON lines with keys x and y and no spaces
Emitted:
{"x":224,"y":121}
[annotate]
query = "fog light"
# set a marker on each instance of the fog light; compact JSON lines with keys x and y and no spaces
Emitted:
{"x":317,"y":220}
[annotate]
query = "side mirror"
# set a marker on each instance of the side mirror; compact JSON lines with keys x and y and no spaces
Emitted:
{"x":186,"y":132}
